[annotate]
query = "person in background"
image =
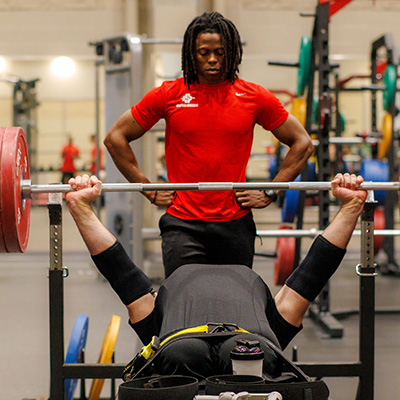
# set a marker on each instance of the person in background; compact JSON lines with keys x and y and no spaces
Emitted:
{"x":93,"y":156}
{"x":69,"y":153}
{"x":210,"y":115}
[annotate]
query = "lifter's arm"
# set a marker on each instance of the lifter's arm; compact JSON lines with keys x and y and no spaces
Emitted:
{"x":318,"y":267}
{"x":291,"y":133}
{"x":99,"y":239}
{"x":125,"y":130}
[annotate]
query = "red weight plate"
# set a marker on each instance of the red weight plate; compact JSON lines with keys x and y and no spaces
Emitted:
{"x":379,"y":223}
{"x":14,"y":167}
{"x":2,"y":244}
{"x":283,"y":264}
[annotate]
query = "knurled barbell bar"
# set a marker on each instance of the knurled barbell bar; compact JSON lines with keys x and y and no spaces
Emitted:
{"x":27,"y":189}
{"x":16,"y":189}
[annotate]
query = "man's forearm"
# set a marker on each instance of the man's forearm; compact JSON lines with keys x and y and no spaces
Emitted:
{"x":340,"y":230}
{"x":294,"y":161}
{"x":95,"y":235}
{"x":125,"y":159}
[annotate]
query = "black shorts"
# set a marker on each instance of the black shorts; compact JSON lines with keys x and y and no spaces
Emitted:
{"x":200,"y":242}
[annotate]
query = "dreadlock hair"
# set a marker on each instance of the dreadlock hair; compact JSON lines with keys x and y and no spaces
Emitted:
{"x":212,"y":22}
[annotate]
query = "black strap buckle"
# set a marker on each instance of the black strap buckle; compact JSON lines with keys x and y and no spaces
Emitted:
{"x":214,"y":327}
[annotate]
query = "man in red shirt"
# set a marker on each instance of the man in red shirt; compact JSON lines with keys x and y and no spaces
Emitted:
{"x":93,"y":156}
{"x":210,"y":116}
{"x":69,"y":152}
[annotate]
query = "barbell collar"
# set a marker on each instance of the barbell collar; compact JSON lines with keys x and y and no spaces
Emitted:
{"x":29,"y":189}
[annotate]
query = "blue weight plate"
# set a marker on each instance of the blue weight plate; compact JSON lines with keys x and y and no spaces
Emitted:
{"x":291,"y":204}
{"x":272,"y":168}
{"x":76,"y":344}
{"x":376,"y":171}
{"x":311,"y":170}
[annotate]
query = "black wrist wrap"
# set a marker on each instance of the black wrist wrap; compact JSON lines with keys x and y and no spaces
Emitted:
{"x":320,"y":263}
{"x":127,"y":280}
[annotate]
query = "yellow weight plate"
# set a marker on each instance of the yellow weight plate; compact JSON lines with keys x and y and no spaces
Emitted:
{"x":299,"y":110}
{"x":106,"y":352}
{"x":386,"y":141}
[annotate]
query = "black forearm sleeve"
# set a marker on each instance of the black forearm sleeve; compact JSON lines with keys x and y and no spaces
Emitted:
{"x":320,"y":263}
{"x":127,"y":280}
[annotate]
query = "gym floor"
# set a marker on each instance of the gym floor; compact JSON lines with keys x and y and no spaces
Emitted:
{"x":24,"y":338}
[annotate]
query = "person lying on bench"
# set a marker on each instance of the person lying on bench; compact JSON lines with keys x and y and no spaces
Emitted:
{"x":233,"y":300}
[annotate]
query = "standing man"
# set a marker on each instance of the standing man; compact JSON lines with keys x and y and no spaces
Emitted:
{"x":68,"y":153}
{"x":210,"y":115}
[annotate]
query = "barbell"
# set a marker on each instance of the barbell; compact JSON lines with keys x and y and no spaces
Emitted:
{"x":16,"y":189}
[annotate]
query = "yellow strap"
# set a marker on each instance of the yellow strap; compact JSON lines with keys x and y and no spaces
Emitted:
{"x":148,"y":351}
{"x":196,"y":329}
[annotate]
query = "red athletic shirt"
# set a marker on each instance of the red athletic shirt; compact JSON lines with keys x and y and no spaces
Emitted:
{"x":208,"y":138}
{"x":69,"y":152}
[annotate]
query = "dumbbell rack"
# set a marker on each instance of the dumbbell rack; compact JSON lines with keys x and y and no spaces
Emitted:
{"x":59,"y":371}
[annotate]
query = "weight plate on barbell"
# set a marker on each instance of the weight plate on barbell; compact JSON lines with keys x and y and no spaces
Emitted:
{"x":76,"y":345}
{"x":303,"y":71}
{"x":15,"y":211}
{"x":106,"y":352}
{"x":2,"y":243}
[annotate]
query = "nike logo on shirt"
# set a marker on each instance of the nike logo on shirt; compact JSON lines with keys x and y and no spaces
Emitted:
{"x":239,"y":94}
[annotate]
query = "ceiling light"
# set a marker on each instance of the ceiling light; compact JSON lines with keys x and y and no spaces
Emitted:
{"x":63,"y":67}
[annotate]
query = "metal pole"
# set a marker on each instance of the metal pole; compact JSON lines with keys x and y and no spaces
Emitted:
{"x":56,"y":299}
{"x":97,"y":133}
{"x":28,"y":189}
{"x":366,"y":271}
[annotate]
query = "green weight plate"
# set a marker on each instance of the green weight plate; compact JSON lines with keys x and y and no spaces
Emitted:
{"x":389,"y":81}
{"x":342,"y":122}
{"x":304,"y":65}
{"x":315,"y":110}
